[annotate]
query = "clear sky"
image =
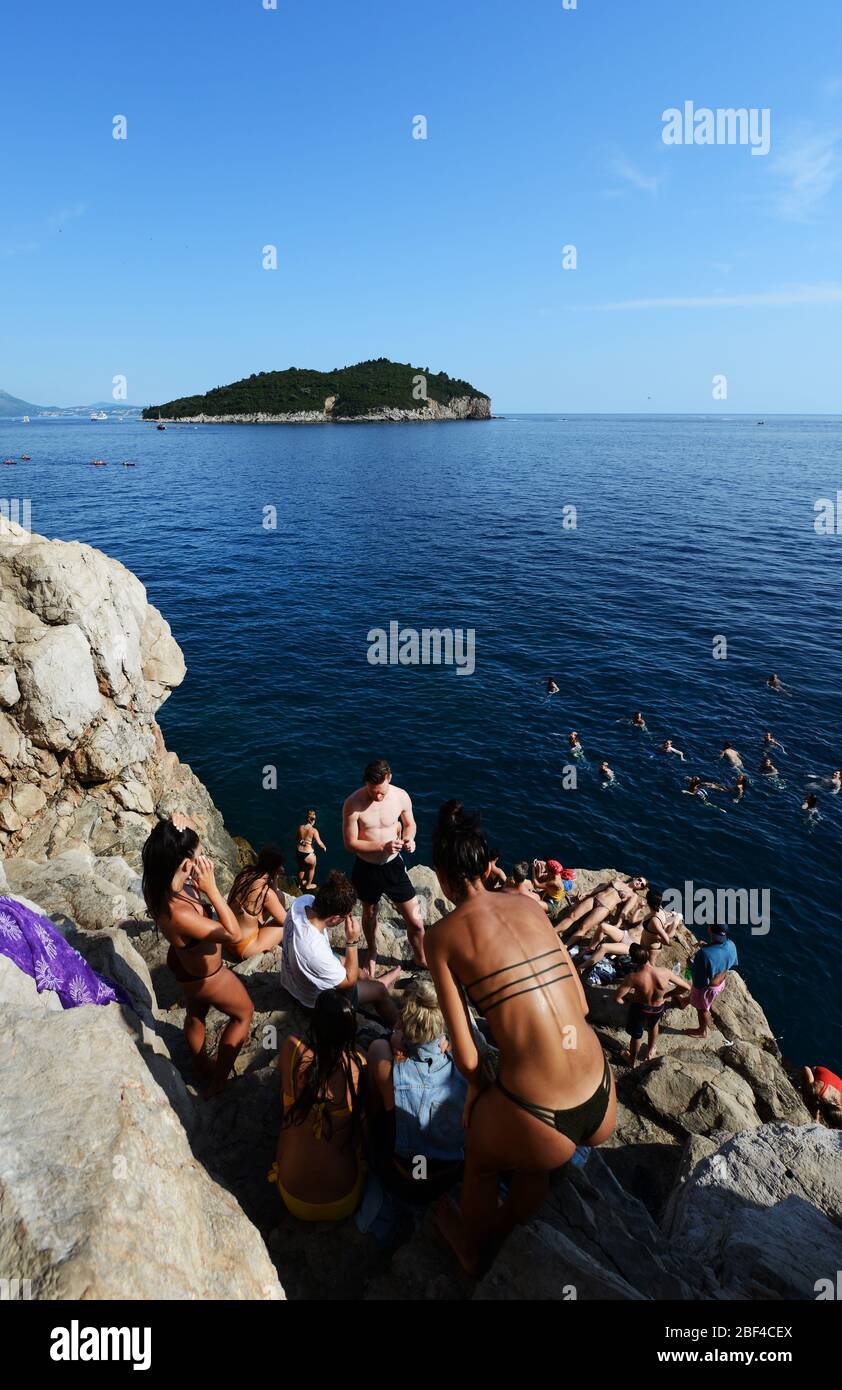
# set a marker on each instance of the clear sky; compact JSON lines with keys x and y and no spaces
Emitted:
{"x":248,"y":127}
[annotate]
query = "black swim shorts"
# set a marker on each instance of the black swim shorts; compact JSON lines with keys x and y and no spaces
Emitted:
{"x":642,"y":1016}
{"x":374,"y":881}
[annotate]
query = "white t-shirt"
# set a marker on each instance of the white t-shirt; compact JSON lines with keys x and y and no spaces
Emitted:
{"x":308,"y":965}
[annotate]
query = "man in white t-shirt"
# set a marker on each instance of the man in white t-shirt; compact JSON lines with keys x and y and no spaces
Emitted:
{"x":308,"y":965}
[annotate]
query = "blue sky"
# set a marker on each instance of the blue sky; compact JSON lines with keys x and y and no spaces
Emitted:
{"x":293,"y":127}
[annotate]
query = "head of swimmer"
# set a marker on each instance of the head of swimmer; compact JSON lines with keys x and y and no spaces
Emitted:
{"x":169,"y":860}
{"x":376,"y":779}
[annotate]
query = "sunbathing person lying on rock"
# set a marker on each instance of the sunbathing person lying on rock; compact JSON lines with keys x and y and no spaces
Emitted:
{"x":319,"y":1169}
{"x":607,"y":940}
{"x":554,"y":1089}
{"x":175,"y":875}
{"x":622,"y":901}
{"x":416,"y":1099}
{"x":255,"y":903}
{"x":653,"y":989}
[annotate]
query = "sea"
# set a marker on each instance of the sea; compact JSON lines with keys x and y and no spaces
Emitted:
{"x":666,"y":564}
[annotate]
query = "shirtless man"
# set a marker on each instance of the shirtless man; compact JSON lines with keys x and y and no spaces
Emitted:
{"x":520,"y":882}
{"x":377,"y":824}
{"x":775,"y":683}
{"x":731,"y":755}
{"x":575,"y":744}
{"x":769,"y":741}
{"x":652,"y":989}
{"x":667,"y":747}
{"x":604,"y":902}
{"x":606,"y":773}
{"x":637,"y":720}
{"x":553,"y":687}
{"x":767,"y":767}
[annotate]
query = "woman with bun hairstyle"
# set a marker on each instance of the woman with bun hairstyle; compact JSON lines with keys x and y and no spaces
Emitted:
{"x":554,"y":1090}
{"x":176,"y":878}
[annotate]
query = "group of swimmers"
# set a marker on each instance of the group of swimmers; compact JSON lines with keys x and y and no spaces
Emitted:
{"x":490,"y":1066}
{"x":698,"y":786}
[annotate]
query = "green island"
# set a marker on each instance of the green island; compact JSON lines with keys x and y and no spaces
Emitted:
{"x":364,"y":390}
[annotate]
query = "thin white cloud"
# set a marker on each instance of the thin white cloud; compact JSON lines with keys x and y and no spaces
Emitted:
{"x":795,"y":294}
{"x":646,"y":183}
{"x":806,"y":170}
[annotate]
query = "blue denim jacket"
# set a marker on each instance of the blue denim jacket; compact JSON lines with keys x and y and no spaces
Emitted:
{"x":429,"y":1100}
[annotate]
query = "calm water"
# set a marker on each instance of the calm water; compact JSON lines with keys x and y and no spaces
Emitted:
{"x":687,"y":528}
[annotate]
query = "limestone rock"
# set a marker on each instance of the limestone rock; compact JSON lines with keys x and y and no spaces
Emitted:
{"x":100,"y":1195}
{"x":763,"y":1212}
{"x":55,"y":708}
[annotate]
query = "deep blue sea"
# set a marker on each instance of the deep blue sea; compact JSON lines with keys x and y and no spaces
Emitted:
{"x":687,"y":528}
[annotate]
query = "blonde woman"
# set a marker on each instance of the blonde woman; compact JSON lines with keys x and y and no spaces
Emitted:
{"x":416,"y":1100}
{"x":305,"y":854}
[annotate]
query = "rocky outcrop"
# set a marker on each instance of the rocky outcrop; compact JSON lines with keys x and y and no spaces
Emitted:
{"x":100,"y":1194}
{"x":460,"y":408}
{"x":85,"y":664}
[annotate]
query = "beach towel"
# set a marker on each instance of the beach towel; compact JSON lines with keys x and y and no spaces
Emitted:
{"x":37,"y":948}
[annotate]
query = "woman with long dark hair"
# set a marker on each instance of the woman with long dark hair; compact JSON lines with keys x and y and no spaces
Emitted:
{"x":319,"y":1168}
{"x":254,"y":900}
{"x":175,"y":875}
{"x":554,"y":1090}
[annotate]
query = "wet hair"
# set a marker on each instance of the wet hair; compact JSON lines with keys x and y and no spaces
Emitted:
{"x":520,"y":872}
{"x":376,"y":772}
{"x":332,"y":1036}
{"x":638,"y":954}
{"x":422,"y":1020}
{"x":725,"y":745}
{"x":336,"y":897}
{"x":312,"y":813}
{"x":165,"y":849}
{"x":694,"y":782}
{"x":654,"y":899}
{"x":270,"y":861}
{"x":460,"y":848}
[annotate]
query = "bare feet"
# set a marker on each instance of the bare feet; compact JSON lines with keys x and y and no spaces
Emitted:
{"x":651,"y":1053}
{"x":695,"y":1032}
{"x":448,"y":1219}
{"x":626,"y":1058}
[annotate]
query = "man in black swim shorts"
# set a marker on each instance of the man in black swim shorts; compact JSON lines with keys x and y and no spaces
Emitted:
{"x":377,"y":825}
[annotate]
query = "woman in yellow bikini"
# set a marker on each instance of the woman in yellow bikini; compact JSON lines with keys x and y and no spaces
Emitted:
{"x":319,"y":1169}
{"x":255,"y":903}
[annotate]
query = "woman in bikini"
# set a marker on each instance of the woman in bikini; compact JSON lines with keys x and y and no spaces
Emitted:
{"x":659,"y":926}
{"x":175,"y":873}
{"x":319,"y":1169}
{"x":609,"y":899}
{"x":305,"y":854}
{"x":554,"y":1090}
{"x":256,"y":905}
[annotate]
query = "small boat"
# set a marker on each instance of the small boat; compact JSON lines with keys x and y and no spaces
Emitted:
{"x":98,"y":415}
{"x":127,"y":463}
{"x":26,"y":458}
{"x":99,"y":463}
{"x":10,"y":463}
{"x":26,"y":419}
{"x":159,"y":426}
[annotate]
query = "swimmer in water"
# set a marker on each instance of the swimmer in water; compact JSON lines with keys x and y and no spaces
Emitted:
{"x":836,"y":782}
{"x":696,"y":787}
{"x":741,"y":787}
{"x":666,"y":747}
{"x":637,"y":720}
{"x":775,"y":683}
{"x":769,"y":741}
{"x":607,"y":773}
{"x":810,"y":804}
{"x":575,"y":744}
{"x":730,"y":753}
{"x":553,"y":687}
{"x":767,"y":767}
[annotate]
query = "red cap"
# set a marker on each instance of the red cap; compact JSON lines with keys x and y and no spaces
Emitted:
{"x":555,"y":866}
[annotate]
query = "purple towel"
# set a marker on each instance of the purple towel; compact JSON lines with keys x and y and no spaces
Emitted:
{"x":34,"y":945}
